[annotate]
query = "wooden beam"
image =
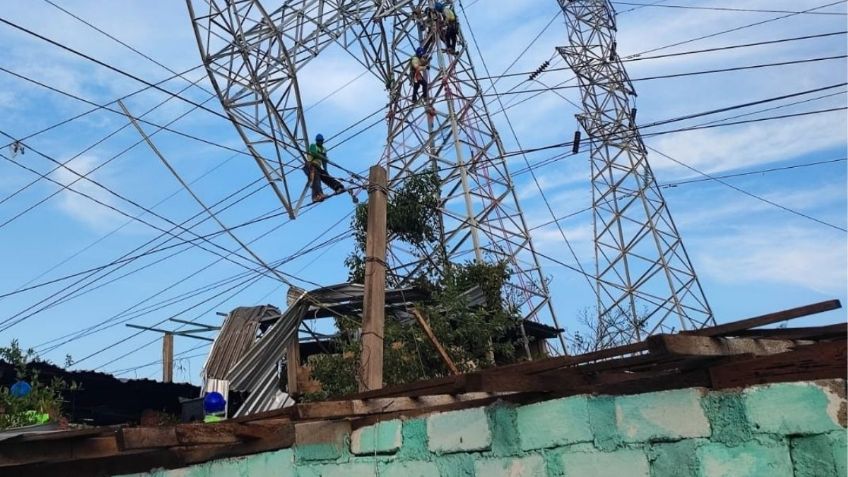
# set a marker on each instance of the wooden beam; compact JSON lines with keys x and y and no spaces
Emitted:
{"x":167,"y":358}
{"x":818,"y":361}
{"x":292,"y":364}
{"x":374,"y":309}
{"x":768,"y":319}
{"x":838,"y":330}
{"x":436,"y":344}
{"x":134,"y":438}
{"x":689,"y":345}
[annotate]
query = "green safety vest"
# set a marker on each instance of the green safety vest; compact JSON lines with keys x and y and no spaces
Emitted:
{"x":317,"y":155}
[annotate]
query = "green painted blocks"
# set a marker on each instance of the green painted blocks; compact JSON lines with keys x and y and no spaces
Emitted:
{"x":554,"y":423}
{"x":675,"y":459}
{"x":529,"y":466}
{"x":792,"y":408}
{"x":584,"y":461}
{"x":662,"y":416}
{"x":459,"y":431}
{"x":381,"y":438}
{"x":410,"y":469}
{"x":823,"y":454}
{"x":747,"y":460}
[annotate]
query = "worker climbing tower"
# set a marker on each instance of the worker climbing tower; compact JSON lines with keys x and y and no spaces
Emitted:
{"x":643,"y":271}
{"x":253,"y":54}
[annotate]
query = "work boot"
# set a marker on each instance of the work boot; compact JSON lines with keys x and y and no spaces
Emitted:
{"x":318,"y":198}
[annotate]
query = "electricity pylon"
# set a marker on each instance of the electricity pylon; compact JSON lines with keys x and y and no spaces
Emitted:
{"x":253,"y":54}
{"x":643,"y":272}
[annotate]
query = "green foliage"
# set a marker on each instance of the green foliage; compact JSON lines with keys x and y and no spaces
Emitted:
{"x":412,"y":216}
{"x":471,"y":335}
{"x":44,"y":398}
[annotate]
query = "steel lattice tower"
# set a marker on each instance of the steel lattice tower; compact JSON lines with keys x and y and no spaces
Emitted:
{"x":253,"y":54}
{"x":642,"y":268}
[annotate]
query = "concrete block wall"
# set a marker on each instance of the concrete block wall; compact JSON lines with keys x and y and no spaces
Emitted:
{"x":779,"y":430}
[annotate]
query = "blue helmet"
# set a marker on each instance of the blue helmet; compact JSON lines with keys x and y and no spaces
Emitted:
{"x":214,"y":402}
{"x":420,"y":51}
{"x":319,"y":138}
{"x":440,"y":7}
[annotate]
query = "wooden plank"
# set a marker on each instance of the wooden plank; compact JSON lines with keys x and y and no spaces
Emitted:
{"x":405,"y":389}
{"x":21,"y":453}
{"x":345,"y":409}
{"x":838,"y":330}
{"x":435,"y":342}
{"x":768,"y":319}
{"x":818,"y":361}
{"x":293,"y":365}
{"x":691,"y":345}
{"x":133,"y":438}
{"x":542,"y":365}
{"x":374,"y":303}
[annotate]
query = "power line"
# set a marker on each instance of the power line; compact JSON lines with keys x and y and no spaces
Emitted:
{"x":730,"y":9}
{"x":749,"y":194}
{"x":735,"y":29}
{"x":751,"y":173}
{"x":690,"y":73}
{"x":639,"y":57}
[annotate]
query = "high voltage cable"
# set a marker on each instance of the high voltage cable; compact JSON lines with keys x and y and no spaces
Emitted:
{"x":735,"y":29}
{"x":85,"y":175}
{"x":638,"y":57}
{"x":689,"y":73}
{"x":304,"y":250}
{"x":730,"y":9}
{"x":749,"y":194}
{"x":195,"y":273}
{"x":674,"y":184}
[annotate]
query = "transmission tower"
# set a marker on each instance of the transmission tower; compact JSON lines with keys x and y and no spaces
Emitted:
{"x":253,"y":54}
{"x":643,"y":272}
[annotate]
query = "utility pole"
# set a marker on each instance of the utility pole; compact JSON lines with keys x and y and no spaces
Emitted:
{"x":374,"y":301}
{"x":168,"y":342}
{"x":167,"y":358}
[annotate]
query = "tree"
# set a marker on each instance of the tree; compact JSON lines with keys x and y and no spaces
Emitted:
{"x":470,"y":334}
{"x":43,"y":398}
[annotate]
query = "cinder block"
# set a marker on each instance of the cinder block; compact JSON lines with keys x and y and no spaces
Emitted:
{"x":823,"y":454}
{"x":226,"y":468}
{"x":747,"y":460}
{"x":322,"y":440}
{"x":583,"y":462}
{"x":381,"y":438}
{"x":675,"y":459}
{"x":270,"y":464}
{"x":529,"y":466}
{"x":661,"y":416}
{"x":457,"y":431}
{"x":410,"y":469}
{"x":793,"y":408}
{"x":554,"y":423}
{"x":359,"y":469}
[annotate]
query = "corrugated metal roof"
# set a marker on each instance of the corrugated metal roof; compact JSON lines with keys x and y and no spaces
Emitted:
{"x":237,"y":336}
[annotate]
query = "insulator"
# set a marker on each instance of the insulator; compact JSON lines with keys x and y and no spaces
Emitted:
{"x":613,"y":49}
{"x":540,"y":69}
{"x":633,"y":116}
{"x":575,"y":145}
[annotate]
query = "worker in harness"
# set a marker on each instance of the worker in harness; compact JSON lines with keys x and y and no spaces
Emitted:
{"x":418,"y":65}
{"x":316,"y":171}
{"x":451,"y":26}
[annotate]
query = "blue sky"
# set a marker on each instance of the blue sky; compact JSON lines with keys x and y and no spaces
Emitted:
{"x":751,"y":257}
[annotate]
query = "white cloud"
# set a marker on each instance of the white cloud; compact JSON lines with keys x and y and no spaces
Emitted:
{"x":80,"y":208}
{"x":800,"y":257}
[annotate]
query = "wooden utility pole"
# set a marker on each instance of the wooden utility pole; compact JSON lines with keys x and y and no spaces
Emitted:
{"x":292,"y":365}
{"x":167,"y":358}
{"x":374,"y":306}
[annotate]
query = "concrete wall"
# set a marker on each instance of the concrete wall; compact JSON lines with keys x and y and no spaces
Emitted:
{"x":780,"y":430}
